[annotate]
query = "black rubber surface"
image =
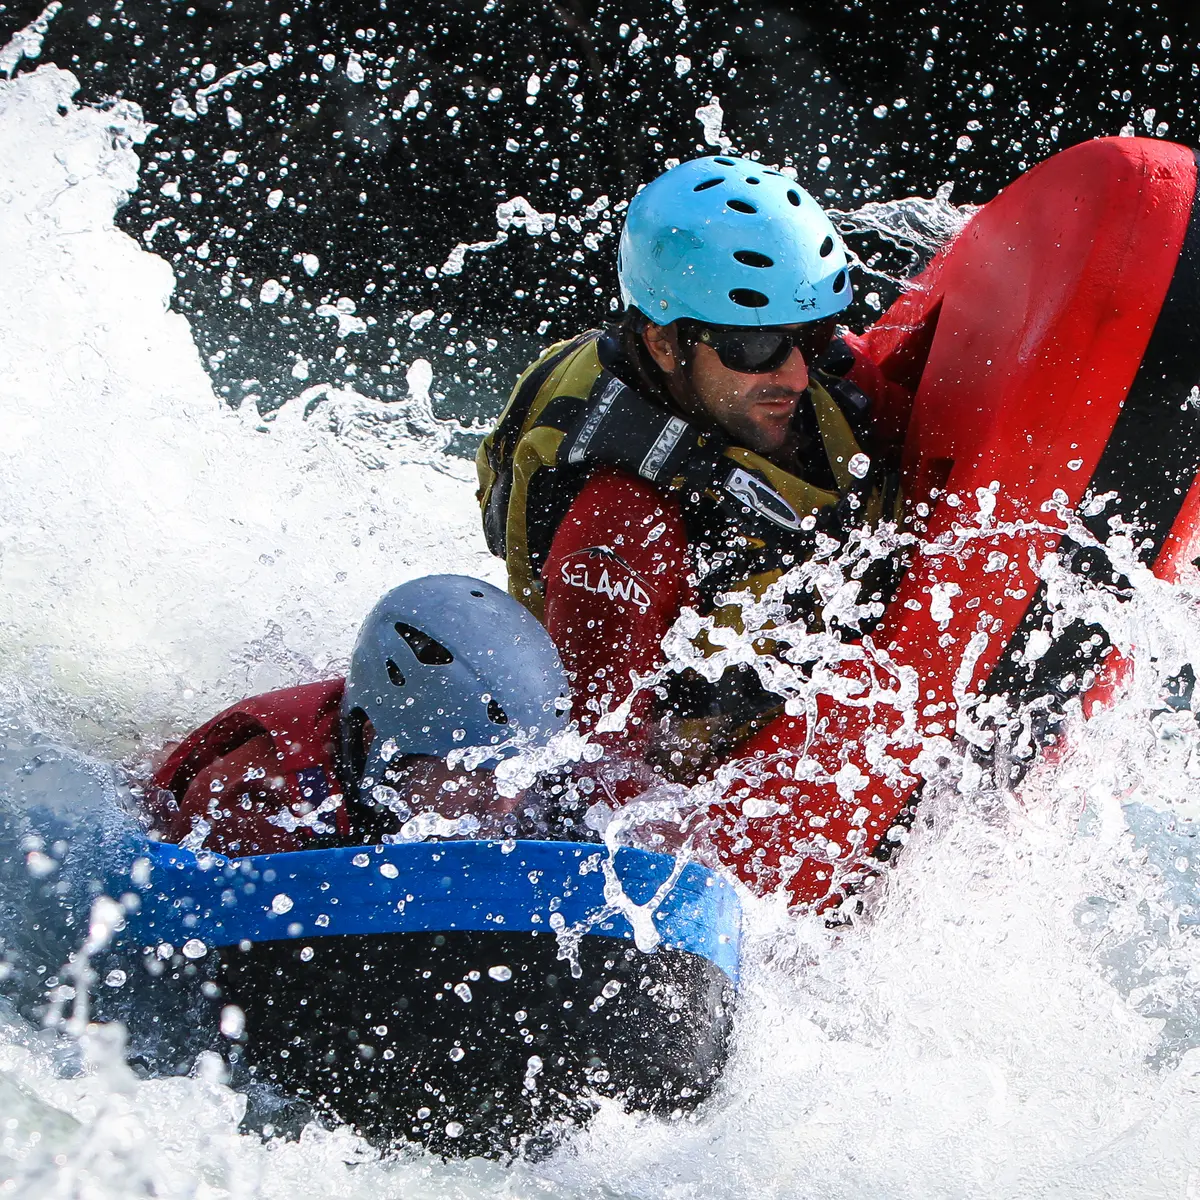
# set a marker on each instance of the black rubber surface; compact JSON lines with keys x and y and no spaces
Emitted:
{"x":372,"y":1031}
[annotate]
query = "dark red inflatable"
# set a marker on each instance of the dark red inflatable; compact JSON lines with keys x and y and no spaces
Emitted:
{"x":1051,"y":350}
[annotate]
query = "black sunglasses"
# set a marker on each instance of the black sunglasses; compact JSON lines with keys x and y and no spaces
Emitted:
{"x":753,"y":350}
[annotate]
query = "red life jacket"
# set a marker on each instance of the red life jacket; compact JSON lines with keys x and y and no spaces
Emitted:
{"x":299,"y":769}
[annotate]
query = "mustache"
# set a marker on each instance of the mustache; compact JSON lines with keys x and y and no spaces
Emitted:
{"x":773,"y":392}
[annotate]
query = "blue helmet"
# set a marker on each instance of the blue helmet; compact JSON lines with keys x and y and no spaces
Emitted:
{"x":730,"y":242}
{"x":448,"y":662}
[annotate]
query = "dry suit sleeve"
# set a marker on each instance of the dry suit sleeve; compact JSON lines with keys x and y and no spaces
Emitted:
{"x":615,"y":580}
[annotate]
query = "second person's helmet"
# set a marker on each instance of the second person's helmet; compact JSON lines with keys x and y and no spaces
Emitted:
{"x":448,"y":662}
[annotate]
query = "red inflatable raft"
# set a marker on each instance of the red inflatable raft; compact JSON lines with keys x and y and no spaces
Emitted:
{"x":1051,"y":350}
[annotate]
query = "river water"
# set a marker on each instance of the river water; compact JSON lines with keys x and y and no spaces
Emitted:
{"x":1014,"y":1015}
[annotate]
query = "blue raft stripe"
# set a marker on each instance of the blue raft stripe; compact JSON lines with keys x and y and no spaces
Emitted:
{"x":426,"y":887}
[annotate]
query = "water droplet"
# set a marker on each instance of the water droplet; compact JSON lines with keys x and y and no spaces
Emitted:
{"x":463,"y":992}
{"x":361,"y":860}
{"x":1075,"y":464}
{"x":456,"y":1054}
{"x":454,"y":1129}
{"x":500,"y":974}
{"x":611,"y":988}
{"x":858,"y":466}
{"x":281,"y":904}
{"x":194,"y":948}
{"x":39,"y":865}
{"x":116,"y":978}
{"x":389,"y":870}
{"x":233,"y":1021}
{"x":306,"y":954}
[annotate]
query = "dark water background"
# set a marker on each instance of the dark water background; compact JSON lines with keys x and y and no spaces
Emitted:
{"x":869,"y":101}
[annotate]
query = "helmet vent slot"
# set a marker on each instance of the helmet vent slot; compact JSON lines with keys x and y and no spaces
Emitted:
{"x":748,"y":298}
{"x":703,"y":187}
{"x":794,"y":196}
{"x":743,"y":206}
{"x":725,"y":162}
{"x":477,"y":594}
{"x":395,"y":674}
{"x":496,"y":714}
{"x":752,"y":258}
{"x":839,"y":282}
{"x":827,"y":247}
{"x":427,"y":651}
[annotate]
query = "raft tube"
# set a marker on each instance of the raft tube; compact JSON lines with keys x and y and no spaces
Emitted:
{"x":461,"y":994}
{"x":1051,"y":351}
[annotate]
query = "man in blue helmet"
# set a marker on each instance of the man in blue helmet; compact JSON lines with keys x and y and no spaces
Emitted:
{"x":695,"y":450}
{"x":441,"y":664}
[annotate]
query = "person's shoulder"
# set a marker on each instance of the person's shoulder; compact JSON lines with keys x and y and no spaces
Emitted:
{"x":614,"y":504}
{"x":616,"y":491}
{"x":557,"y":351}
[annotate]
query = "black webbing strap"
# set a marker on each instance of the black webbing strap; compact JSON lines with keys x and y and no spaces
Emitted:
{"x":621,"y":428}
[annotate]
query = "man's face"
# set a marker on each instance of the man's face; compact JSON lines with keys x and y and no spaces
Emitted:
{"x":756,"y":411}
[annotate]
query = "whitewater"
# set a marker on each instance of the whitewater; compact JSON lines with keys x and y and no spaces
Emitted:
{"x":1016,"y":1014}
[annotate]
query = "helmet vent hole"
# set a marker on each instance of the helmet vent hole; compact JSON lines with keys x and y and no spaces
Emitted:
{"x":751,"y":179}
{"x":743,"y":206}
{"x":827,"y":247}
{"x":479,"y":595}
{"x":725,"y":162}
{"x":395,"y":674}
{"x":703,"y":187}
{"x":427,"y":651}
{"x":752,"y":258}
{"x":496,"y":714}
{"x":748,"y":298}
{"x":839,"y":282}
{"x":794,"y":196}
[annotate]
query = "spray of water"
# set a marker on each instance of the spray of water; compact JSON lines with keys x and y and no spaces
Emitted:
{"x":1013,"y":1014}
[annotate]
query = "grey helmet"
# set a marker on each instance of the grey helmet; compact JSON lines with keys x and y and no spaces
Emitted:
{"x":448,"y":662}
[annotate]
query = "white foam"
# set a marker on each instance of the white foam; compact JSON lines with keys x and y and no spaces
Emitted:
{"x":158,"y":555}
{"x":988,"y":1030}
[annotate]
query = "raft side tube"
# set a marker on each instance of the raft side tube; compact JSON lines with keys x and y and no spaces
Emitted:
{"x":1043,"y":309}
{"x":426,"y":991}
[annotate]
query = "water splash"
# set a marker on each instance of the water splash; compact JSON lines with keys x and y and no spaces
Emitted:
{"x":149,"y":534}
{"x":1014,"y":1014}
{"x":918,"y":226}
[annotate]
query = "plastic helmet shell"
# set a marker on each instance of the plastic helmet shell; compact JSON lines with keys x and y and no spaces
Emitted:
{"x":447,"y":662}
{"x":728,"y":241}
